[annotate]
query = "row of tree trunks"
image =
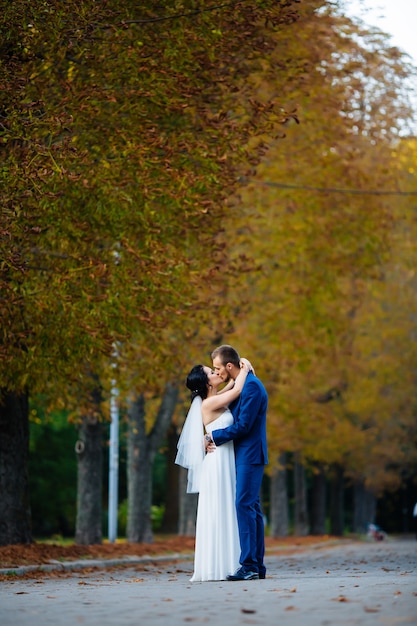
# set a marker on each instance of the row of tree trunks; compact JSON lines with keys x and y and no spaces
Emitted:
{"x":364,"y":502}
{"x":279,"y":521}
{"x":15,"y":525}
{"x":142,"y":447}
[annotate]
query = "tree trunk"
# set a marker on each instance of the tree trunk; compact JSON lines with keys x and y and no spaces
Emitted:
{"x":89,"y":449}
{"x":140,"y":456}
{"x":300,"y":499}
{"x":171,"y":516}
{"x":337,"y":509}
{"x":318,"y":525}
{"x":188,"y":507}
{"x":139,"y":480}
{"x":15,"y":516}
{"x":279,"y":518}
{"x":364,"y":508}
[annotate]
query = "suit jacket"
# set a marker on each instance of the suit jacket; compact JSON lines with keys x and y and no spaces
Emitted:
{"x":248,"y":430}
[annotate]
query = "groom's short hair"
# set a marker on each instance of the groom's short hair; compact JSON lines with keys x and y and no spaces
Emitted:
{"x":227,"y":354}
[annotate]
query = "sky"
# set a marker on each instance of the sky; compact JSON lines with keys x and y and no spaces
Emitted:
{"x":398,"y":18}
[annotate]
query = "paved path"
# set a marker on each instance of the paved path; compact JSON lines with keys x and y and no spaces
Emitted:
{"x":357,"y":583}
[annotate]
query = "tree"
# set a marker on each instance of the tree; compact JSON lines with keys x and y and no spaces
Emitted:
{"x":14,"y":488}
{"x":279,"y":517}
{"x":142,"y":447}
{"x":122,"y":138}
{"x":89,"y":449}
{"x":320,"y":250}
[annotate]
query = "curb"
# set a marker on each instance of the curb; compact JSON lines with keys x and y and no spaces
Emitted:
{"x":66,"y":566}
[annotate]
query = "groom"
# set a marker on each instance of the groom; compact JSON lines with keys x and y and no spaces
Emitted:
{"x":249,"y":435}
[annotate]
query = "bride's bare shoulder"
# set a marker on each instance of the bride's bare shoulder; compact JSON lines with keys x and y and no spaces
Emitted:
{"x":210,"y":413}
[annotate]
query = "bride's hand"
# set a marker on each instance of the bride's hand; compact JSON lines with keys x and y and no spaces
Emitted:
{"x":247,"y":364}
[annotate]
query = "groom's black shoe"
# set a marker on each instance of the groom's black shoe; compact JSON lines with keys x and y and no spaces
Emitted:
{"x":243,"y":574}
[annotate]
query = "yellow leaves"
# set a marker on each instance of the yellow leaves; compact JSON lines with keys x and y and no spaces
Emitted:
{"x":71,"y":71}
{"x":315,"y":316}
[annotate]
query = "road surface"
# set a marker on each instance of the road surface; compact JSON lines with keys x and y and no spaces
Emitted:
{"x":348,"y":583}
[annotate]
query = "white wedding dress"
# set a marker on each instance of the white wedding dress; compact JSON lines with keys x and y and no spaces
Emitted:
{"x":217,"y":548}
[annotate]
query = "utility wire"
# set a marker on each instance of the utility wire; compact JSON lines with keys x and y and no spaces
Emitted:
{"x":328,"y":189}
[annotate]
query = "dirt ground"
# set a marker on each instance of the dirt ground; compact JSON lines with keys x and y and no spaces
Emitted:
{"x":37,"y":553}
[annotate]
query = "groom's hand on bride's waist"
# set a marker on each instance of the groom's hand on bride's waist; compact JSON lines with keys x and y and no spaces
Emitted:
{"x":209,"y":444}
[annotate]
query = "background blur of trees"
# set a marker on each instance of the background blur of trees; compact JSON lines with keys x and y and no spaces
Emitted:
{"x":179,"y":177}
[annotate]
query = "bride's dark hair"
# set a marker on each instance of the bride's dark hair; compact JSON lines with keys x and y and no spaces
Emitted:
{"x":197,"y":382}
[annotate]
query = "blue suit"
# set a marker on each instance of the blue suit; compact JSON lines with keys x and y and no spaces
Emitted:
{"x":248,"y":433}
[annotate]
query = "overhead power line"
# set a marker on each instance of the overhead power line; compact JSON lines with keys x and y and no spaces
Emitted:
{"x":369,"y":192}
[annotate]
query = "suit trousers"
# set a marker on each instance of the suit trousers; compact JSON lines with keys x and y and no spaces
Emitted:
{"x":249,"y":517}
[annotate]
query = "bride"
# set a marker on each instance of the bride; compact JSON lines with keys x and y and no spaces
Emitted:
{"x":213,"y":475}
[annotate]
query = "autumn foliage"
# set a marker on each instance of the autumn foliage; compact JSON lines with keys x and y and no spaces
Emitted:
{"x":179,"y":174}
{"x":124,"y":127}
